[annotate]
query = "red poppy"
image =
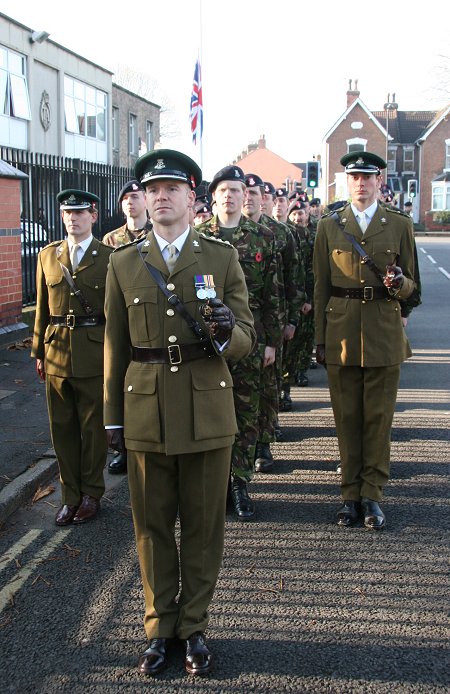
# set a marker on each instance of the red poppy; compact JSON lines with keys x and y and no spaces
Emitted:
{"x":258,"y":257}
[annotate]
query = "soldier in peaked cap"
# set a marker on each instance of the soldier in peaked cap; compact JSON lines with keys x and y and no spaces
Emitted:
{"x":68,"y":347}
{"x":169,"y":390}
{"x":359,"y":332}
{"x":258,"y":257}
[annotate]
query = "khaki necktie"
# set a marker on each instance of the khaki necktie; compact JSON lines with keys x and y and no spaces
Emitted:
{"x":362,"y":219}
{"x":74,"y":256}
{"x":172,"y":257}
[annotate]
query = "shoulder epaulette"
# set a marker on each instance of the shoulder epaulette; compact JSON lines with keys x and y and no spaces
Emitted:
{"x":395,"y":210}
{"x":126,"y":245}
{"x":336,"y":209}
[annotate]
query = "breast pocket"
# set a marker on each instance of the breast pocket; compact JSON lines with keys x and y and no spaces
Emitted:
{"x":385,"y":253}
{"x":342,"y":261}
{"x":57,"y":294}
{"x":143,"y":313}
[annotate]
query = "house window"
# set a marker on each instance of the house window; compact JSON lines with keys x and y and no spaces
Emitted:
{"x":84,"y":109}
{"x":356,"y":144}
{"x":133,"y":141}
{"x":392,"y":160}
{"x":115,"y":128}
{"x":440,"y":194}
{"x":447,"y":155}
{"x":149,"y":135}
{"x":14,"y":97}
{"x":408,"y":159}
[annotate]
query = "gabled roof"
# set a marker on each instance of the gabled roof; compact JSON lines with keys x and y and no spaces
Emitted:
{"x":269,"y":166}
{"x":405,"y":127}
{"x":440,"y":115}
{"x":356,"y":102}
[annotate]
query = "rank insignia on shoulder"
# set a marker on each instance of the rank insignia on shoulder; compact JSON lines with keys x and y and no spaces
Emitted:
{"x":195,"y":243}
{"x":94,"y":253}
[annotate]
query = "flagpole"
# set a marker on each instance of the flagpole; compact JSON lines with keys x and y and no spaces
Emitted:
{"x":201,"y":63}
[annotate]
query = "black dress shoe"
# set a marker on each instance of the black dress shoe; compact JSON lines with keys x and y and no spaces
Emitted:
{"x":242,"y":504}
{"x":349,"y":513}
{"x":278,"y":432}
{"x":374,"y":518}
{"x":118,"y":465}
{"x":154,"y":659}
{"x":302,"y":379}
{"x":285,"y":404}
{"x":198,"y":656}
{"x":263,"y":458}
{"x":66,"y":514}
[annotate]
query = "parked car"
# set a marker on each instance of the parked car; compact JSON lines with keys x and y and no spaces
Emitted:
{"x":33,"y":238}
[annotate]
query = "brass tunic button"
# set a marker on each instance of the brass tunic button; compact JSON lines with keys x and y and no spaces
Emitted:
{"x":172,"y":338}
{"x":72,"y":294}
{"x":363,"y":302}
{"x":170,"y":287}
{"x":363,"y":243}
{"x":174,"y":369}
{"x":170,"y":312}
{"x":136,"y":300}
{"x":222,"y":384}
{"x":70,"y":310}
{"x":130,"y":388}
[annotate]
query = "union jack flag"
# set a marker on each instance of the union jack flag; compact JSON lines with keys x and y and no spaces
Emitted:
{"x":196,"y":113}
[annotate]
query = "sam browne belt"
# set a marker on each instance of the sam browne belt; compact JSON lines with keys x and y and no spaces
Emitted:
{"x":364,"y":294}
{"x":72,"y":321}
{"x":173,"y":354}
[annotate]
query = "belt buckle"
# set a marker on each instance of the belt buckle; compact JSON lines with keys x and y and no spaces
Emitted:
{"x":174,"y":359}
{"x":70,"y":321}
{"x":368,"y":293}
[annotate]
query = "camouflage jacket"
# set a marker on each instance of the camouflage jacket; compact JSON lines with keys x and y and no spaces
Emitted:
{"x":122,"y":237}
{"x":257,"y":251}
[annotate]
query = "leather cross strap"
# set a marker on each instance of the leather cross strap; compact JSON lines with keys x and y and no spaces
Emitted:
{"x":366,"y":259}
{"x":173,"y":299}
{"x":173,"y":354}
{"x":87,"y":308}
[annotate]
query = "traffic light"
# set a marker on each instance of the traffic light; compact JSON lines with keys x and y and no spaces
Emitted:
{"x":312,"y":174}
{"x":412,"y":188}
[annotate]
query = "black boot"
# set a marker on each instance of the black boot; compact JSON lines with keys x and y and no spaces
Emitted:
{"x":302,"y":379}
{"x":118,"y":464}
{"x":263,"y":458}
{"x":285,"y":400}
{"x":242,"y":504}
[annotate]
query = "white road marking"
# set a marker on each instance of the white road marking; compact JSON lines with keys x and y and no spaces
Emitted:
{"x":431,"y":259}
{"x":444,"y":272}
{"x":17,"y":549}
{"x":7,"y":593}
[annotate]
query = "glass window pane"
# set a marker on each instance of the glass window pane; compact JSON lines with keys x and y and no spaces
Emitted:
{"x":3,"y":91}
{"x":447,"y":198}
{"x":71,"y":116}
{"x":3,"y":57}
{"x":68,"y":86}
{"x":101,"y":99}
{"x":90,"y":95}
{"x":78,"y":88}
{"x":19,"y":98}
{"x":80,"y":111}
{"x":15,"y":63}
{"x":101,"y":130}
{"x":91,"y":120}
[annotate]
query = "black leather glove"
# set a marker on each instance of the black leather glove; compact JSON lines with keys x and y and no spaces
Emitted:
{"x":219,"y":319}
{"x":116,"y":439}
{"x":394,"y":277}
{"x":320,"y":354}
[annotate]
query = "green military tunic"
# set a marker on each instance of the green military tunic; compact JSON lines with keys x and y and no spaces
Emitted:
{"x":74,"y":366}
{"x":364,"y":339}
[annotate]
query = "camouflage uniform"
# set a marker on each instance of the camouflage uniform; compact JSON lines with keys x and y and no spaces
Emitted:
{"x":257,"y":254}
{"x":122,"y":236}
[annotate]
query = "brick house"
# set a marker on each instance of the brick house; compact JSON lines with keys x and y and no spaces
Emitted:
{"x":259,"y":160}
{"x":415,"y":145}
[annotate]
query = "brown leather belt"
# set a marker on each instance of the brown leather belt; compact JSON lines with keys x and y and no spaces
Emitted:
{"x":72,"y":321}
{"x":174,"y":354}
{"x":363,"y":294}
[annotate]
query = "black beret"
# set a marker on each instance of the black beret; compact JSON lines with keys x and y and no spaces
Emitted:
{"x":169,"y":164}
{"x":254,"y":181}
{"x":204,"y":207}
{"x":72,"y":199}
{"x":129,"y":187}
{"x":315,"y":201}
{"x":269,"y":189}
{"x":296,"y":205}
{"x":229,"y":173}
{"x":281,"y":193}
{"x":362,"y":162}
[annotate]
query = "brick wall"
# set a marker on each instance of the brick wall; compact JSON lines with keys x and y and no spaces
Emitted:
{"x":10,"y":253}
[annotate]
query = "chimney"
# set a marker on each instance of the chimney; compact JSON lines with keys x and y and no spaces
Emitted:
{"x":391,"y":105}
{"x":262,"y":142}
{"x":352,"y":93}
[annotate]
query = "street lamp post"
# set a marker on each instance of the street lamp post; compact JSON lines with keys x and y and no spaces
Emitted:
{"x":388,"y":106}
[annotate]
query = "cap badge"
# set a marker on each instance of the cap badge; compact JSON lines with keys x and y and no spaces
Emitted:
{"x":134,"y":186}
{"x":360,"y":161}
{"x":251,"y":181}
{"x":236,"y":173}
{"x":72,"y":198}
{"x":160,"y":164}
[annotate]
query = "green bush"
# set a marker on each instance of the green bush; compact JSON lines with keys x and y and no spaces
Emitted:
{"x":442,"y":217}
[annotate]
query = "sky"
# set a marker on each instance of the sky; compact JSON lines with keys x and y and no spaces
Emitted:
{"x":275,"y":69}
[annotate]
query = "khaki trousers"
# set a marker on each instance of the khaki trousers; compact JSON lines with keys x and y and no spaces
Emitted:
{"x":194,"y":486}
{"x":363,"y":401}
{"x":75,"y":410}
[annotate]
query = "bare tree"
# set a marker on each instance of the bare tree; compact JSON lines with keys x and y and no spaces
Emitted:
{"x":146,"y":86}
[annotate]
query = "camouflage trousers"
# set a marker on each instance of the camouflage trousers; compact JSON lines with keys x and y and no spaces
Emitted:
{"x":250,"y":381}
{"x":298,"y":351}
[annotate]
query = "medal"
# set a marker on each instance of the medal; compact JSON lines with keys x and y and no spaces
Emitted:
{"x":204,"y":286}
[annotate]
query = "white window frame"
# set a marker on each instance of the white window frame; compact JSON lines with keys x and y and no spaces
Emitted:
{"x":447,"y":155}
{"x":85,"y":110}
{"x":356,"y":143}
{"x":14,"y":95}
{"x":149,"y":139}
{"x":407,"y":161}
{"x":133,"y":140}
{"x":391,"y":159}
{"x":440,"y":196}
{"x":115,"y":129}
